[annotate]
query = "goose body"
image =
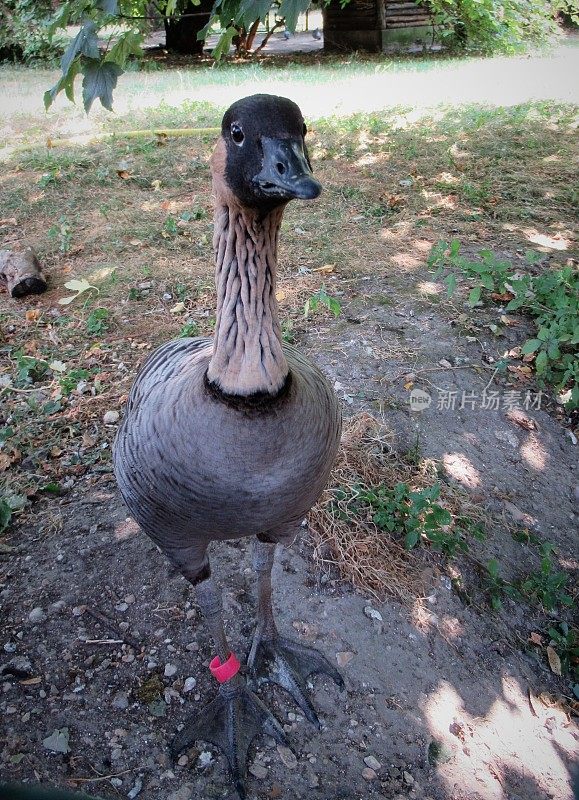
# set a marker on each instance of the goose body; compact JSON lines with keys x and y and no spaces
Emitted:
{"x":235,"y":436}
{"x":194,"y":467}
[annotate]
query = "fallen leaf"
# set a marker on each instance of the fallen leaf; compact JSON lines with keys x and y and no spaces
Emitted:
{"x":156,"y":185}
{"x":5,"y":461}
{"x":31,"y":681}
{"x":136,"y":242}
{"x":57,"y":366}
{"x":178,"y":308}
{"x":554,"y":660}
{"x":8,"y":221}
{"x":519,"y":418}
{"x":88,"y":440}
{"x":409,"y":385}
{"x":280,"y":295}
{"x":508,"y":320}
{"x":327,"y":268}
{"x":32,"y":314}
{"x":57,"y":741}
{"x":502,"y":297}
{"x":536,"y":638}
{"x":124,"y":174}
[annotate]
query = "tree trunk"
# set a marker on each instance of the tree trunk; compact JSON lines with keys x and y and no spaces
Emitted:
{"x":181,"y":32}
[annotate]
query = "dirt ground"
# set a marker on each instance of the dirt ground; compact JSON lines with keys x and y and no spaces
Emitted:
{"x":444,"y":699}
{"x":442,"y":672}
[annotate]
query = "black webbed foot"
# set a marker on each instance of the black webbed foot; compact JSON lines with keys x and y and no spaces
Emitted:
{"x":289,"y":664}
{"x":230,"y":722}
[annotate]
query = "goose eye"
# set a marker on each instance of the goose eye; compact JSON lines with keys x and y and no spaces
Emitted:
{"x":237,"y":134}
{"x":305,"y":129}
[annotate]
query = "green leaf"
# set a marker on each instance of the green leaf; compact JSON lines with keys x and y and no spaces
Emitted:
{"x":530,"y":346}
{"x":100,"y":78}
{"x":450,"y":282}
{"x":541,"y":362}
{"x":474,"y":295}
{"x":84,"y":43}
{"x":411,"y":539}
{"x":291,"y":9}
{"x":128,"y":44}
{"x":66,"y":82}
{"x":224,"y":43}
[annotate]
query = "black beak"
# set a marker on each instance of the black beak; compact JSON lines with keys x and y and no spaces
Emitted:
{"x":286,"y":173}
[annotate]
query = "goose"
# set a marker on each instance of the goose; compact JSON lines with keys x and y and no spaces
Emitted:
{"x":235,"y":436}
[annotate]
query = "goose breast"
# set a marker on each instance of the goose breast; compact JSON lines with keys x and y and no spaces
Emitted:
{"x":192,"y":467}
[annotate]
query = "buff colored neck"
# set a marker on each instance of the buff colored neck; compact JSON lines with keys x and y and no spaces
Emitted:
{"x":247,"y":352}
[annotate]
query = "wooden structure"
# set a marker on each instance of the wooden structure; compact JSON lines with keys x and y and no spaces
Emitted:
{"x":375,"y":24}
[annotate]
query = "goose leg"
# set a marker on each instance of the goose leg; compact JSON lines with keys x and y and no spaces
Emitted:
{"x":236,"y":715}
{"x":275,"y":659}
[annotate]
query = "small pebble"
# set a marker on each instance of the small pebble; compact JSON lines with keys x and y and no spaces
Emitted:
{"x":344,"y":658}
{"x":182,"y":761}
{"x":170,"y":670}
{"x":287,"y":757}
{"x":189,"y":685}
{"x":368,"y":774}
{"x":110,"y":417}
{"x":408,"y":779}
{"x":205,"y":758}
{"x":372,"y":613}
{"x":372,"y":762}
{"x":122,"y":606}
{"x":258,"y":771}
{"x":120,"y":701}
{"x":37,"y":615}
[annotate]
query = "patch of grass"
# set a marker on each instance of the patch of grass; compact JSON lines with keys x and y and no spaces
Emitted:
{"x":550,"y":298}
{"x":546,"y":586}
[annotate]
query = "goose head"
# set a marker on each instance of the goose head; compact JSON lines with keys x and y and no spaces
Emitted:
{"x":261,"y":157}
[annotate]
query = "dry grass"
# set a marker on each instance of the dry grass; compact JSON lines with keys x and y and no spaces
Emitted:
{"x":368,"y":558}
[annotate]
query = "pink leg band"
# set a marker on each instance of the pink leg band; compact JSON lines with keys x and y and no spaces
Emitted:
{"x":224,"y":672}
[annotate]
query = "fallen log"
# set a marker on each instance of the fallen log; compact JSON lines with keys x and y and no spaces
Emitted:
{"x":20,"y":272}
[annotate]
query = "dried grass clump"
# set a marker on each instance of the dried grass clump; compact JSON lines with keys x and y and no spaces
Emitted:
{"x":368,"y":558}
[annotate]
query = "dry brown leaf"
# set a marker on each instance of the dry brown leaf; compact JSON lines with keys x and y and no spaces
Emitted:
{"x":536,"y":638}
{"x":280,"y":295}
{"x":32,"y":314}
{"x":31,"y":681}
{"x":124,"y":174}
{"x":409,"y":385}
{"x":327,"y":268}
{"x":8,"y":221}
{"x":508,"y":320}
{"x":5,"y":461}
{"x":554,"y":660}
{"x":519,"y":418}
{"x":502,"y":297}
{"x":88,"y":440}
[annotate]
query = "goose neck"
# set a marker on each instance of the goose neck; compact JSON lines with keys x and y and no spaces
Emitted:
{"x":247,"y":354}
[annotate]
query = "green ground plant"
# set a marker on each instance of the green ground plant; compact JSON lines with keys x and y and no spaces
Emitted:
{"x":413,"y":514}
{"x":550,"y":298}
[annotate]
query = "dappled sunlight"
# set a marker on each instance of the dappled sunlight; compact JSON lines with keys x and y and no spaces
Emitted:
{"x":429,"y":288}
{"x":101,"y":274}
{"x":461,"y":469}
{"x":407,"y":262}
{"x":534,"y":453}
{"x":556,"y":242}
{"x":512,"y":737}
{"x":398,"y":231}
